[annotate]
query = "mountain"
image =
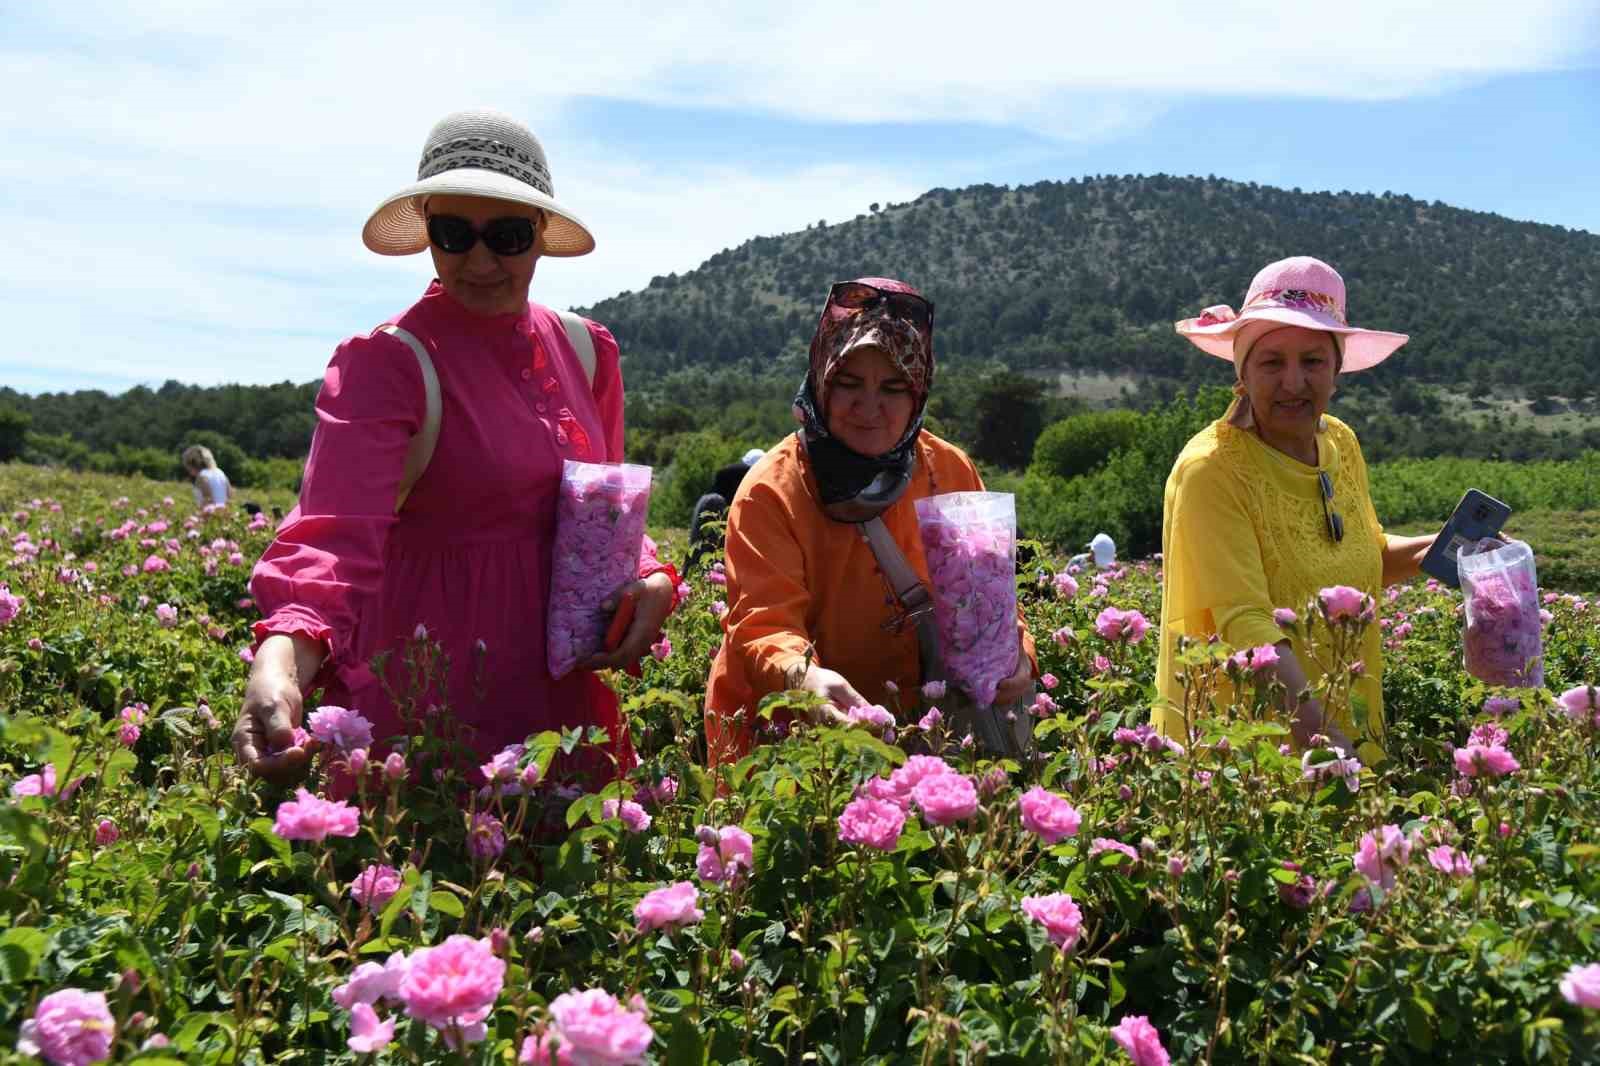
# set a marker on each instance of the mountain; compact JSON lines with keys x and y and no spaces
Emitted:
{"x":1092,"y":273}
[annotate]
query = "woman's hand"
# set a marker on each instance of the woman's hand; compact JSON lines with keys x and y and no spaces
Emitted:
{"x":833,"y":687}
{"x":653,"y":602}
{"x":263,"y":736}
{"x":1018,"y":686}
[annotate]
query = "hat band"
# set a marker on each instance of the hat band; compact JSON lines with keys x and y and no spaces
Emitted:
{"x":485,"y":153}
{"x":1299,"y":300}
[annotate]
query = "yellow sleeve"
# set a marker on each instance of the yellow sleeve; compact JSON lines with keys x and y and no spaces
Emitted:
{"x":767,"y":594}
{"x":1219,"y":553}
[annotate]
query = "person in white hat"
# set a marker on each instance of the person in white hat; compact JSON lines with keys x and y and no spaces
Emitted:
{"x":428,"y":503}
{"x":1270,"y":504}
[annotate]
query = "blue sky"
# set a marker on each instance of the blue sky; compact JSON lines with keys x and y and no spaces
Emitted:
{"x":186,"y":181}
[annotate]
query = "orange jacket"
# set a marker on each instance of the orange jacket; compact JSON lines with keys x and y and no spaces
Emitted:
{"x":796,"y":578}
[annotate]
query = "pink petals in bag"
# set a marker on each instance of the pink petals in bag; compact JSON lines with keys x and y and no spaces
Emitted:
{"x":600,"y":518}
{"x":1504,"y":634}
{"x":970,"y":540}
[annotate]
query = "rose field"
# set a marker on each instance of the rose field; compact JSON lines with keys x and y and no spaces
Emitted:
{"x":881,"y":893}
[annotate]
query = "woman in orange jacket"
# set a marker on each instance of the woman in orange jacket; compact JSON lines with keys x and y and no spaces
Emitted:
{"x":808,"y":606}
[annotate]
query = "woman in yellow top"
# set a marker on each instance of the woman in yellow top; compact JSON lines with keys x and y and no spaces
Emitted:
{"x":807,"y":604}
{"x":1270,"y":504}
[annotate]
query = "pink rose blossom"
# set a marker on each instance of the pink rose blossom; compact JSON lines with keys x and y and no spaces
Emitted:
{"x":669,"y":907}
{"x":368,"y":1032}
{"x":1258,"y":659}
{"x":372,"y":982}
{"x":873,"y":822}
{"x":155,"y":564}
{"x":1341,"y":603}
{"x":661,"y":648}
{"x":1101,"y":665}
{"x":453,"y":984}
{"x":394,"y":767}
{"x":1581,"y":704}
{"x":1063,"y":636}
{"x":486,"y":836}
{"x":1059,"y":915}
{"x":69,"y":1028}
{"x":1048,"y":816}
{"x":594,"y":1029}
{"x":916,"y":768}
{"x":1581,"y":986}
{"x":308,"y":817}
{"x":1115,"y":624}
{"x":1448,"y":860}
{"x":42,"y":783}
{"x":635,"y":819}
{"x":10,"y":605}
{"x":1066,"y":585}
{"x":934,"y":690}
{"x":1485,"y":760}
{"x":945,"y":798}
{"x":1048,"y":681}
{"x":166,"y":615}
{"x":106,"y":833}
{"x":930,"y":721}
{"x":1100,"y":845}
{"x":375,"y":886}
{"x":1381,"y":854}
{"x":128,"y":734}
{"x":872,"y":716}
{"x":1136,"y":1036}
{"x":732,"y":855}
{"x":341,"y":728}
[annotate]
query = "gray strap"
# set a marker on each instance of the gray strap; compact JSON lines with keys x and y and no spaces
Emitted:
{"x":916,"y":604}
{"x":420,"y":453}
{"x":582,"y":342}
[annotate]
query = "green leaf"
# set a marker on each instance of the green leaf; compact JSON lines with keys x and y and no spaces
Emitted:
{"x":445,"y":902}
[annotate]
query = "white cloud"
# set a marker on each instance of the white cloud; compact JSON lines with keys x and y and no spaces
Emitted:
{"x":186,"y":181}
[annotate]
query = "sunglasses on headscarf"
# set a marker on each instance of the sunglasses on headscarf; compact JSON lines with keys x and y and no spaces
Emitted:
{"x":859,"y":296}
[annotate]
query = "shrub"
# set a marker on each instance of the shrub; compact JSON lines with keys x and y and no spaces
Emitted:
{"x":1084,"y":443}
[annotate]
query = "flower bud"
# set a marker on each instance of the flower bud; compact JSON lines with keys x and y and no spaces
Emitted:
{"x":131,"y":981}
{"x":735,"y":960}
{"x":707,"y":836}
{"x":358,"y":761}
{"x":499,"y":941}
{"x":394,"y":767}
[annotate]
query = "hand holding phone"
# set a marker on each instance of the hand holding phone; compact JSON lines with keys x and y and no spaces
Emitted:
{"x":1478,"y":515}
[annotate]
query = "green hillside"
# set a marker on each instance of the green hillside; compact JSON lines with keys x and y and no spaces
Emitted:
{"x":1092,"y":273}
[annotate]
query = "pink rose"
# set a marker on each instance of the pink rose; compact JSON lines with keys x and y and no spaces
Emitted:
{"x":1049,"y":681}
{"x":1059,"y":915}
{"x":1448,"y":860}
{"x":1135,"y":1035}
{"x":872,"y":716}
{"x":453,"y":983}
{"x":69,"y":1028}
{"x":375,"y":886}
{"x":486,"y":836}
{"x":1581,"y":986}
{"x":661,"y":648}
{"x":1381,"y":854}
{"x":930,"y":721}
{"x":1341,"y":603}
{"x":1579,"y":704}
{"x":1063,"y":636}
{"x":1066,"y":585}
{"x":128,"y":734}
{"x":933,"y":690}
{"x":308,"y":817}
{"x":155,"y":564}
{"x":10,"y":606}
{"x":1258,"y":659}
{"x":1485,"y":760}
{"x":341,"y":728}
{"x":916,"y":768}
{"x":368,"y":1032}
{"x":1101,"y":845}
{"x":106,"y":833}
{"x":732,"y":854}
{"x":873,"y":822}
{"x":1048,"y":816}
{"x":166,"y":615}
{"x":42,"y":783}
{"x":394,"y":767}
{"x":635,"y":819}
{"x":1115,"y":624}
{"x":593,"y":1029}
{"x":372,"y":982}
{"x":945,"y":798}
{"x":669,"y":907}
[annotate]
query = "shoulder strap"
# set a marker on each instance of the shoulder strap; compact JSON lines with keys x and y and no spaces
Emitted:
{"x":578,"y":333}
{"x":420,"y":454}
{"x":915,"y":602}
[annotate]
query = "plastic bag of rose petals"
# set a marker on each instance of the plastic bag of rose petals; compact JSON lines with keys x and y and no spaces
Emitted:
{"x":1503,"y":636}
{"x":970,"y":541}
{"x":600,"y":515}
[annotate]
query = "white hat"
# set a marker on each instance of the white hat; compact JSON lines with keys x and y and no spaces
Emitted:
{"x":752,"y":456}
{"x":1104,"y":548}
{"x":477,"y":153}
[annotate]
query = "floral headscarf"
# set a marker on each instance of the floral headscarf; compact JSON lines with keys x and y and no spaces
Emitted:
{"x":840,"y":471}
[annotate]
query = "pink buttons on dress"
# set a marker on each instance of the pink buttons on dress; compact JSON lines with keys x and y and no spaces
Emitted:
{"x":527,"y":375}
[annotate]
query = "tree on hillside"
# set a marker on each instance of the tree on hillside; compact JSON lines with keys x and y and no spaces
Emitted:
{"x":13,"y":433}
{"x":1010,"y":417}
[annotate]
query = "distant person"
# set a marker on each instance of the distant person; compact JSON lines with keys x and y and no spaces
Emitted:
{"x":211,"y":486}
{"x":1270,"y":503}
{"x":455,"y":536}
{"x":713,"y":505}
{"x":1102,"y":553}
{"x":808,"y":605}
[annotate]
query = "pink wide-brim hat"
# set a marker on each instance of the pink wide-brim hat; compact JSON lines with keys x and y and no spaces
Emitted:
{"x":1300,"y":291}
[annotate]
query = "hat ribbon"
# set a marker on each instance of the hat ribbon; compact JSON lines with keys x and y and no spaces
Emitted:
{"x":485,"y":153}
{"x":1297,"y":299}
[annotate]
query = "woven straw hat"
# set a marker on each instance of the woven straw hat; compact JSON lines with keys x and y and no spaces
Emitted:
{"x":1300,"y":291}
{"x":476,"y":153}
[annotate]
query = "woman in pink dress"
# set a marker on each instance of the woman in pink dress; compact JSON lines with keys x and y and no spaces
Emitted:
{"x":467,"y":553}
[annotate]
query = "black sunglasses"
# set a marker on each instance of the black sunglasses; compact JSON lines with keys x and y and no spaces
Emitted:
{"x":859,"y":296}
{"x":513,"y":235}
{"x":1335,"y":520}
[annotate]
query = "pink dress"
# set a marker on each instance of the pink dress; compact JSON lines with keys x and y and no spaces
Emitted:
{"x":469,"y":556}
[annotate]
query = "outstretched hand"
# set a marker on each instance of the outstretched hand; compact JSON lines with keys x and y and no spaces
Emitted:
{"x":653,"y":602}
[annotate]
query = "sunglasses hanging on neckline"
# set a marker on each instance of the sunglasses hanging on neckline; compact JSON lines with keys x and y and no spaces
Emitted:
{"x":454,"y":235}
{"x":1334,"y":519}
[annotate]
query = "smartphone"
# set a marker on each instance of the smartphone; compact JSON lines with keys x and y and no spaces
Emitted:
{"x":1478,"y":515}
{"x":620,"y":621}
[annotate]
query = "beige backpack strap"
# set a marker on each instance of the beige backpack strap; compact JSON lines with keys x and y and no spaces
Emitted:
{"x":582,"y":342}
{"x":420,"y":454}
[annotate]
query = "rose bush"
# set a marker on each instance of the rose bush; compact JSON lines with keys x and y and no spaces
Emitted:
{"x":1121,"y":897}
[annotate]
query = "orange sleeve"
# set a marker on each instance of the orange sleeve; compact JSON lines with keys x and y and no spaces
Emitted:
{"x":767,"y":594}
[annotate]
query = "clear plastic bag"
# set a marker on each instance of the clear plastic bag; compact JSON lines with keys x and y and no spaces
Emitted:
{"x":600,"y":518}
{"x":1503,"y":636}
{"x":970,"y":542}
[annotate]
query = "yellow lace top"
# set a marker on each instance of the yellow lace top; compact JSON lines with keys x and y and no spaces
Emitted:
{"x":1243,"y":532}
